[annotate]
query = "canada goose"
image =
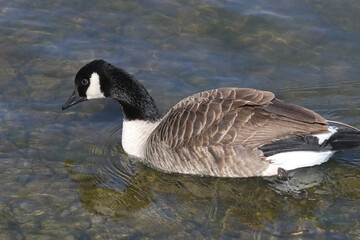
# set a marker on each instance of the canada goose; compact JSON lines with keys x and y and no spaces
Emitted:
{"x":226,"y":132}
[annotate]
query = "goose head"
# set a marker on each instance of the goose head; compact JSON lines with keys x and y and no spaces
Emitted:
{"x":99,"y":79}
{"x":87,"y":84}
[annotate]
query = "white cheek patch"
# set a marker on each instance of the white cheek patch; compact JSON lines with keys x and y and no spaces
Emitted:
{"x":94,"y":90}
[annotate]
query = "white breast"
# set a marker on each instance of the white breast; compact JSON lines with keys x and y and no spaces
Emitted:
{"x":135,"y":134}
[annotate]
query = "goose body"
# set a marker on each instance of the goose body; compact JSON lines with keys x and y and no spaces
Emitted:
{"x":226,"y":132}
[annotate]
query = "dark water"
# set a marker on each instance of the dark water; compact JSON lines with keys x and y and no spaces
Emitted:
{"x":64,"y":175}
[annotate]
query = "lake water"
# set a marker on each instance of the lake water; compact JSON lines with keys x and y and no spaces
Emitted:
{"x":64,"y":174}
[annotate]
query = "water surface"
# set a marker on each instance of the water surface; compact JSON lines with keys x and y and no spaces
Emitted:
{"x":64,"y":174}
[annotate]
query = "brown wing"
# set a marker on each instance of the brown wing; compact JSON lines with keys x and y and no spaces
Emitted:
{"x":217,"y":129}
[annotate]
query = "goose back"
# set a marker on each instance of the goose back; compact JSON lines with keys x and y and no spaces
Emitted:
{"x":218,"y":132}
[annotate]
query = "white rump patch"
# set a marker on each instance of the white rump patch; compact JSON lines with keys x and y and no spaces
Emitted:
{"x":296,"y":159}
{"x":94,"y":90}
{"x":135,"y":134}
{"x":325,"y":136}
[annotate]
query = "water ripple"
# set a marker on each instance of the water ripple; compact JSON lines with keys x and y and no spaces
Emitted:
{"x":103,"y":153}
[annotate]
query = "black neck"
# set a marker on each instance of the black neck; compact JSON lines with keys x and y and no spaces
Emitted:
{"x":136,"y":102}
{"x":146,"y":111}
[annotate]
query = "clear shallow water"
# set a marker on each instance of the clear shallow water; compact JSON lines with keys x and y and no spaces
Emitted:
{"x":64,"y":174}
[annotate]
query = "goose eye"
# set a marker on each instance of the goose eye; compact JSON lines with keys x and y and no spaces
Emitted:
{"x":84,"y":82}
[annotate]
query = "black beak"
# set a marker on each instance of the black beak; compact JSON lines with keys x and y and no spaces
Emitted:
{"x":74,"y":99}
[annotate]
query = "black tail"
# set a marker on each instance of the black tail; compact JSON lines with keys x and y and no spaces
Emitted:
{"x":344,"y":139}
